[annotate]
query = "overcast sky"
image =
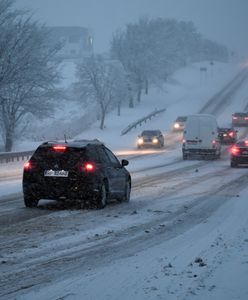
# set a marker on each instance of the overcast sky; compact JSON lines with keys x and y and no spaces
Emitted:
{"x":225,"y":21}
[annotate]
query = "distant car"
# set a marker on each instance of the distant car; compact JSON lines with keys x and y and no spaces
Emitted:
{"x":150,"y":138}
{"x":179,"y":123}
{"x":83,"y":170}
{"x":239,"y":153}
{"x":240,"y":119}
{"x":227,"y":135}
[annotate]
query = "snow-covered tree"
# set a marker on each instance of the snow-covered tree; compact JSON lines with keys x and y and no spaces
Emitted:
{"x":27,"y":74}
{"x":211,"y":50}
{"x":150,"y":50}
{"x":131,"y":48}
{"x":101,"y":81}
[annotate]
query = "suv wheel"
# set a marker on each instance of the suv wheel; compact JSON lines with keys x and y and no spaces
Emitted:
{"x":126,"y":197}
{"x":233,"y":164}
{"x":30,"y":200}
{"x":101,"y":200}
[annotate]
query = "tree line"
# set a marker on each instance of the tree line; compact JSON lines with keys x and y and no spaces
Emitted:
{"x":142,"y":54}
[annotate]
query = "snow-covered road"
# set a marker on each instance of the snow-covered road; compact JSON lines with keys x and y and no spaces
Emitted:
{"x":58,"y":242}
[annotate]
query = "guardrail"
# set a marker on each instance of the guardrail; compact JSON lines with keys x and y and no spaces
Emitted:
{"x":8,"y":157}
{"x":142,"y":120}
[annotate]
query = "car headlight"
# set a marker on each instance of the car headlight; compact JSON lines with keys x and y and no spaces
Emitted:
{"x":176,"y":125}
{"x":155,"y":141}
{"x":140,"y":141}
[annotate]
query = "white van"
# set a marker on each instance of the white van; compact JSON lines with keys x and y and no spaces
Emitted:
{"x":200,"y":136}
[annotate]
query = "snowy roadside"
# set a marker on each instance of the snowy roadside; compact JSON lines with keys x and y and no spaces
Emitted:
{"x":209,"y":262}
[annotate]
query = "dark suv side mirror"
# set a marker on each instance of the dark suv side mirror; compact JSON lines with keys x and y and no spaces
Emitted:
{"x":124,"y":162}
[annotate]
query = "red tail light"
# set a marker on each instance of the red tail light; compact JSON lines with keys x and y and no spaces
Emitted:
{"x":27,"y":166}
{"x":231,"y":134}
{"x":234,"y":118}
{"x":89,"y":167}
{"x":59,"y":148}
{"x":213,"y":142}
{"x":235,"y":150}
{"x":246,"y":118}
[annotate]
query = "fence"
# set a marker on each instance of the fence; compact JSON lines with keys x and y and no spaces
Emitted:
{"x":142,"y":120}
{"x":7,"y":157}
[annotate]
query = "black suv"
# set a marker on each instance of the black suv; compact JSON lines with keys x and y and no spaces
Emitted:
{"x":80,"y":170}
{"x":227,"y":135}
{"x":240,"y":119}
{"x":150,"y":138}
{"x":239,"y":153}
{"x":179,"y":123}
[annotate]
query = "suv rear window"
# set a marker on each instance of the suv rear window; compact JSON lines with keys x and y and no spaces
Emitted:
{"x":69,"y":157}
{"x":181,"y":119}
{"x":240,"y":114}
{"x":150,"y":132}
{"x":225,"y":129}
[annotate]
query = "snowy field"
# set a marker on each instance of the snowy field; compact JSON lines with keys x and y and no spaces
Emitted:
{"x":184,"y":234}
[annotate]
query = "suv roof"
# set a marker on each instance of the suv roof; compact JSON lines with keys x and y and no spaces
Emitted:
{"x":240,"y":114}
{"x":151,"y":132}
{"x":73,"y":144}
{"x":181,"y":119}
{"x":226,"y":129}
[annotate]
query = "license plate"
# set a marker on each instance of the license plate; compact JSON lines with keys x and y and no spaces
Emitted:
{"x":56,"y":173}
{"x":191,"y":142}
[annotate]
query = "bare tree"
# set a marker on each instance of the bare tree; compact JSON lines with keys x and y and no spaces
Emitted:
{"x":150,"y":50}
{"x":27,"y":73}
{"x":101,"y":81}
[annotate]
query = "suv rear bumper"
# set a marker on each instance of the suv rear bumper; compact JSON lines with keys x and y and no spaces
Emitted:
{"x":63,"y":191}
{"x":240,"y":159}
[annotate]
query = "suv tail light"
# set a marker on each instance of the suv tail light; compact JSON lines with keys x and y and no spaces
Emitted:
{"x":231,"y":134}
{"x":27,"y":166}
{"x":88,"y":167}
{"x":235,"y":150}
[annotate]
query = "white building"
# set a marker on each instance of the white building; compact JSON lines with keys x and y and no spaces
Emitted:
{"x":76,"y":41}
